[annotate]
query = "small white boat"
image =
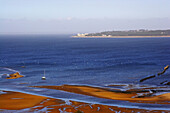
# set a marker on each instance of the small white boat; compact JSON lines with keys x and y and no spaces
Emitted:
{"x":44,"y":78}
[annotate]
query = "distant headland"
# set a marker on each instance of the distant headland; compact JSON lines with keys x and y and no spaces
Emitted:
{"x":141,"y":33}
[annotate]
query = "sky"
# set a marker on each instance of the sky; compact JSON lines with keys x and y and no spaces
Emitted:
{"x":80,"y":16}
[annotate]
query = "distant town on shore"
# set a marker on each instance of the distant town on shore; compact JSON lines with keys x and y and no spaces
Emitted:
{"x":128,"y":33}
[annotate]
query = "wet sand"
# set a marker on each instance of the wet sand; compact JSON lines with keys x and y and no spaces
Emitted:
{"x":139,"y":96}
{"x":16,"y":100}
{"x":33,"y":103}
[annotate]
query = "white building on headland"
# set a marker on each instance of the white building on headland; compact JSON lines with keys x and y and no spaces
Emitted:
{"x":79,"y":34}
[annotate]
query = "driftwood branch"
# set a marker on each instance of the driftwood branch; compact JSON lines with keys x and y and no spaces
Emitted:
{"x":146,"y":78}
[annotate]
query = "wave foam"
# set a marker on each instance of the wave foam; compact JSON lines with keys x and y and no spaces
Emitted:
{"x":9,"y":69}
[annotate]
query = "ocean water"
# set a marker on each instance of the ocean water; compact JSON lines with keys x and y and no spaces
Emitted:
{"x":82,"y":61}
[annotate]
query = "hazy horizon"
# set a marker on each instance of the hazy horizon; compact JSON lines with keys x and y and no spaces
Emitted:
{"x":74,"y":16}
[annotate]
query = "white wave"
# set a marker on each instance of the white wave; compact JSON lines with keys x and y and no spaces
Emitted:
{"x":9,"y":69}
{"x":2,"y":92}
{"x":68,"y":102}
{"x":4,"y":75}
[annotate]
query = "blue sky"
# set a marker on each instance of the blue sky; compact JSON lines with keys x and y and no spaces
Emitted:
{"x":72,"y":16}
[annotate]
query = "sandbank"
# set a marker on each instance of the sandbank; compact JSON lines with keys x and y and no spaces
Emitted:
{"x":132,"y":96}
{"x":15,"y":76}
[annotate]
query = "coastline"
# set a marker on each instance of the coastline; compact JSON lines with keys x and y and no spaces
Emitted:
{"x":12,"y":101}
{"x":166,"y":36}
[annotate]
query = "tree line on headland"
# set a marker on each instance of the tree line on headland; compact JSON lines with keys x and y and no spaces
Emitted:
{"x":141,"y":32}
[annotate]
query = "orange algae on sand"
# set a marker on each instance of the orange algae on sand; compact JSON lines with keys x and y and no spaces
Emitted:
{"x":16,"y":101}
{"x":14,"y":76}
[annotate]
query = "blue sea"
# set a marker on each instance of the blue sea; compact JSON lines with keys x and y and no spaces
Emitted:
{"x":97,"y":62}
